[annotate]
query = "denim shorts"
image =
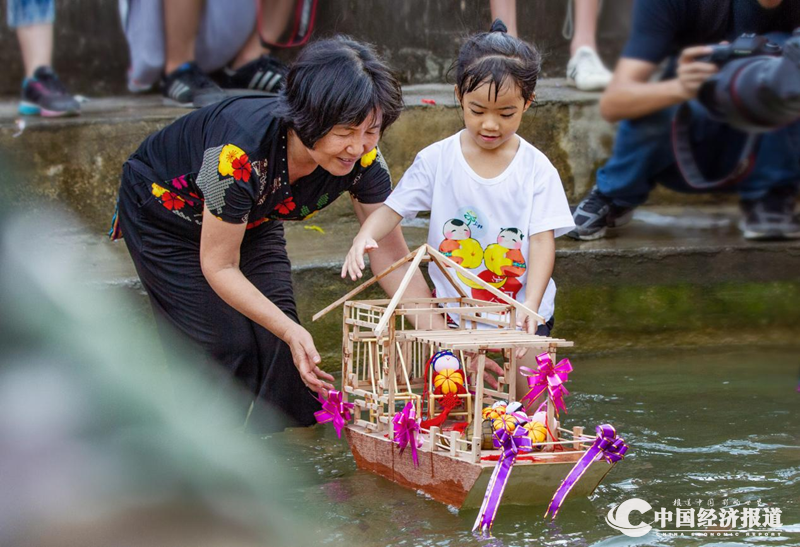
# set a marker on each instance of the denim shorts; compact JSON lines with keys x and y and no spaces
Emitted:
{"x":30,"y":12}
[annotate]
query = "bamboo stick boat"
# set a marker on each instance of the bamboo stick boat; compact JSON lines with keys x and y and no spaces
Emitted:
{"x":386,"y":357}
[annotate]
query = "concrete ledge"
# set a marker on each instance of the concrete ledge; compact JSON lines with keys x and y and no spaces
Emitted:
{"x":77,"y":161}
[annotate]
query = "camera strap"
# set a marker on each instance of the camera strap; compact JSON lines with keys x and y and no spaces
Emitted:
{"x":687,"y":164}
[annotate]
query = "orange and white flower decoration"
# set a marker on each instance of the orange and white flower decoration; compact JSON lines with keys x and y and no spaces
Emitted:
{"x":368,"y":158}
{"x":493,"y":412}
{"x":506,"y":421}
{"x":537,"y":433}
{"x":448,"y":381}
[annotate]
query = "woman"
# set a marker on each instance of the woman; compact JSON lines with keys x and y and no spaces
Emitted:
{"x":202,"y":205}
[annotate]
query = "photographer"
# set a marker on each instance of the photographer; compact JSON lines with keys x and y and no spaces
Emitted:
{"x":643,"y":152}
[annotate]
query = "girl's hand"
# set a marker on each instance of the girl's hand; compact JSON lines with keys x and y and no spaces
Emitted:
{"x":354,"y":261}
{"x":489,"y":367}
{"x":306,"y":359}
{"x":529,"y":325}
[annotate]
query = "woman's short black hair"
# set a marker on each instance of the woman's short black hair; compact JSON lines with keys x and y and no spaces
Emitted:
{"x":493,"y":57}
{"x":338,"y":81}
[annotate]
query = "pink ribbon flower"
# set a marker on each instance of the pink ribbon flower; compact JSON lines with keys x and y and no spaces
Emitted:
{"x":335,"y":410}
{"x":406,"y":430}
{"x":547,"y":377}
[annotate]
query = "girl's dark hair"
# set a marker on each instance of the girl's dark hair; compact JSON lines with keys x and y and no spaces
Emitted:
{"x":493,"y":57}
{"x":337,"y":82}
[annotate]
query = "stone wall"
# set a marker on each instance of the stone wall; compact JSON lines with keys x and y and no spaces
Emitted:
{"x":418,"y":37}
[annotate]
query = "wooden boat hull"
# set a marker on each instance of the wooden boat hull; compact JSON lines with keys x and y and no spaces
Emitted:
{"x":461,"y":483}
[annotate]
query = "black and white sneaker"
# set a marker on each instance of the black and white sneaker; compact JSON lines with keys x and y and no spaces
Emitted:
{"x":771,"y":217}
{"x":595,"y":214}
{"x":263,"y":74}
{"x":189,"y":87}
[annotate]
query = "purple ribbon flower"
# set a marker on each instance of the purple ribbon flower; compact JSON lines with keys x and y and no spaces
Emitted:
{"x":335,"y":410}
{"x":511,"y":444}
{"x":406,"y":431}
{"x":606,"y":446}
{"x":547,"y":377}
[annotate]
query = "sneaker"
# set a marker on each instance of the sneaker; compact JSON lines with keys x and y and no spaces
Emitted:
{"x":595,"y":214}
{"x":586,"y":71}
{"x":188,"y":86}
{"x":263,"y":74}
{"x":771,"y":217}
{"x":45,"y":95}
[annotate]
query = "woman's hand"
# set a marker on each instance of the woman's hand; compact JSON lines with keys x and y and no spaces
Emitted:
{"x":354,"y":261}
{"x":307,"y":360}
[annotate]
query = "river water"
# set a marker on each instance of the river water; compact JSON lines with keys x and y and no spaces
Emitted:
{"x":712,"y":429}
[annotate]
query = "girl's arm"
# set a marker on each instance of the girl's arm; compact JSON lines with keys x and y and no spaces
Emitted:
{"x":541,"y":259}
{"x":376,"y":224}
{"x":219,"y":259}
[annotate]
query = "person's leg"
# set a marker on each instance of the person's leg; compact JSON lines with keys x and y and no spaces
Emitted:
{"x":585,"y":69}
{"x":253,"y":67}
{"x":769,"y":191}
{"x":184,"y":83}
{"x":265,"y":263}
{"x":181,"y":21}
{"x":586,"y":12}
{"x":506,"y":10}
{"x":642,"y":152}
{"x":36,"y":45}
{"x":42,"y":91}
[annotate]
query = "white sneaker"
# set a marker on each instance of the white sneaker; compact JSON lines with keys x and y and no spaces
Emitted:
{"x":586,"y":71}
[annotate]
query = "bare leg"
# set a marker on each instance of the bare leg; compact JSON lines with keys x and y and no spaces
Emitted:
{"x":585,"y":25}
{"x":36,"y":43}
{"x":274,"y":18}
{"x":181,"y":24}
{"x":507,"y":11}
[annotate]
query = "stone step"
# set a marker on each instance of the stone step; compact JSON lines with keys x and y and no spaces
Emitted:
{"x":77,"y":161}
{"x":673,"y":277}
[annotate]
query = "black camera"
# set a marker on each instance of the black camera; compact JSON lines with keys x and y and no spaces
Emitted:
{"x":756,"y":90}
{"x":758,"y":86}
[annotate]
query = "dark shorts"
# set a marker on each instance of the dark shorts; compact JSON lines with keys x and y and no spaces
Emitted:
{"x":166,"y":252}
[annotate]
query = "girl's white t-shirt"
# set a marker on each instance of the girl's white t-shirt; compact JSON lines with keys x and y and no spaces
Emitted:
{"x":484,"y":224}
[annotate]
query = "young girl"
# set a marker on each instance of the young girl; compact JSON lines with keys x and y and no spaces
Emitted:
{"x":496,"y":202}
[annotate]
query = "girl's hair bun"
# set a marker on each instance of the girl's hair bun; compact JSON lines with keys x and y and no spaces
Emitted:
{"x":498,"y":26}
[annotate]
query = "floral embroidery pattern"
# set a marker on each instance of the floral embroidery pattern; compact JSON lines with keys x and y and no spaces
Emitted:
{"x":172,"y":201}
{"x":157,"y":190}
{"x":258,"y":222}
{"x":180,"y":182}
{"x":241,"y":168}
{"x":304,"y":211}
{"x":322,"y":201}
{"x":230,"y":152}
{"x":369,"y":157}
{"x":286,"y":206}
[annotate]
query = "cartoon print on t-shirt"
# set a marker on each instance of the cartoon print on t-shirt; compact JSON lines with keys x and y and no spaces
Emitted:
{"x":504,"y":264}
{"x":459,"y":246}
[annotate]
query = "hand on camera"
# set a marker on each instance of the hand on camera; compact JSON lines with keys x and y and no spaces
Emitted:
{"x":692,"y":73}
